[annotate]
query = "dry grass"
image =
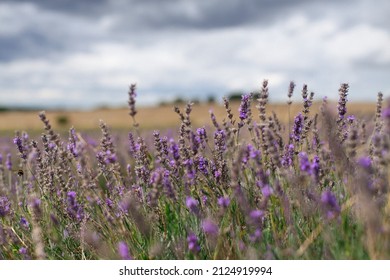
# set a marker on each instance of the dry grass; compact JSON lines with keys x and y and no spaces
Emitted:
{"x":150,"y":117}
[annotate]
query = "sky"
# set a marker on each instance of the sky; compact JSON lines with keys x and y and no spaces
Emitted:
{"x":82,"y":54}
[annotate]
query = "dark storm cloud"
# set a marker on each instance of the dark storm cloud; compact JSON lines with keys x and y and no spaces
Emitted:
{"x":40,"y":37}
{"x":157,"y":14}
{"x":187,"y":46}
{"x":84,"y":7}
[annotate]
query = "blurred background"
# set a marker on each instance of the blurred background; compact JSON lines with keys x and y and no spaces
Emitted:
{"x":72,"y":54}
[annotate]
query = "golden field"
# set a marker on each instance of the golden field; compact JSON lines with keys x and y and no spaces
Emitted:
{"x":152,"y":117}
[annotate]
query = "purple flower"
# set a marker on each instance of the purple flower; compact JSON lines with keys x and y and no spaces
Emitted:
{"x":202,"y":165}
{"x":74,"y":209}
{"x":132,"y":95}
{"x":365,"y":162}
{"x":109,"y":203}
{"x":24,"y":223}
{"x":351,"y":119}
{"x":343,"y":92}
{"x":287,"y":159}
{"x":202,"y":133}
{"x":267,"y":191}
{"x":168,"y":185}
{"x":132,"y":148}
{"x":5,"y":206}
{"x":256,"y":235}
{"x":23,"y":251}
{"x":209,"y":227}
{"x":123,"y":251}
{"x":298,"y":126}
{"x":189,"y":164}
{"x":220,"y":140}
{"x":192,"y":204}
{"x":110,"y":157}
{"x":256,"y":215}
{"x":304,"y":163}
{"x":224,"y":201}
{"x":329,"y":201}
{"x":386,"y":113}
{"x":315,"y":167}
{"x":174,"y":149}
{"x":244,"y":109}
{"x":193,"y":243}
{"x":22,"y":150}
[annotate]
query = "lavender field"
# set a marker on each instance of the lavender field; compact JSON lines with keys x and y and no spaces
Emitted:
{"x":248,"y":187}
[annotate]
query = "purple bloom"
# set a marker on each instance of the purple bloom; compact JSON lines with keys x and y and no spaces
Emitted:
{"x":132,"y":148}
{"x":224,"y":201}
{"x":174,"y":149}
{"x":110,"y":157}
{"x":304,"y":163}
{"x":109,"y":203}
{"x":343,"y":92}
{"x":23,"y":251}
{"x":74,"y":209}
{"x":220,"y":140}
{"x":244,"y":109}
{"x":202,"y":133}
{"x":22,"y":150}
{"x":217,"y":174}
{"x":298,"y":126}
{"x":256,"y":215}
{"x":192,"y":204}
{"x":193,"y":243}
{"x":329,"y":201}
{"x":168,"y":185}
{"x":24,"y":223}
{"x":5,"y":206}
{"x":209,"y":227}
{"x":132,"y":95}
{"x":365,"y":162}
{"x":315,"y":167}
{"x":189,"y":164}
{"x":256,"y":235}
{"x":351,"y":119}
{"x":386,"y":113}
{"x":123,"y":251}
{"x":267,"y":191}
{"x":287,"y":159}
{"x":202,"y":165}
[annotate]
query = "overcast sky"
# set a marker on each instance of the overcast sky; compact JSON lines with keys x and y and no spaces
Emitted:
{"x":85,"y":53}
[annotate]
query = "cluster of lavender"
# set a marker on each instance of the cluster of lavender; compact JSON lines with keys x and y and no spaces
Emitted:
{"x":244,"y":188}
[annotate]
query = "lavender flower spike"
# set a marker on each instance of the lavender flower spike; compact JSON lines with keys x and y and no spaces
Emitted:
{"x":209,"y":227}
{"x":192,"y":204}
{"x":5,"y":206}
{"x":223,"y":202}
{"x":19,"y":143}
{"x":244,"y":109}
{"x":193,"y":243}
{"x":123,"y":251}
{"x":298,"y":126}
{"x":330,"y":204}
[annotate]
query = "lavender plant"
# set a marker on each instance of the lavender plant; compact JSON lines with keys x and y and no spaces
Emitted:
{"x":317,"y":190}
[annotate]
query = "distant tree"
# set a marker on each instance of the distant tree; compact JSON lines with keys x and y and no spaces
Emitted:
{"x":235,"y":96}
{"x":211,"y":99}
{"x":62,"y":120}
{"x":178,"y":100}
